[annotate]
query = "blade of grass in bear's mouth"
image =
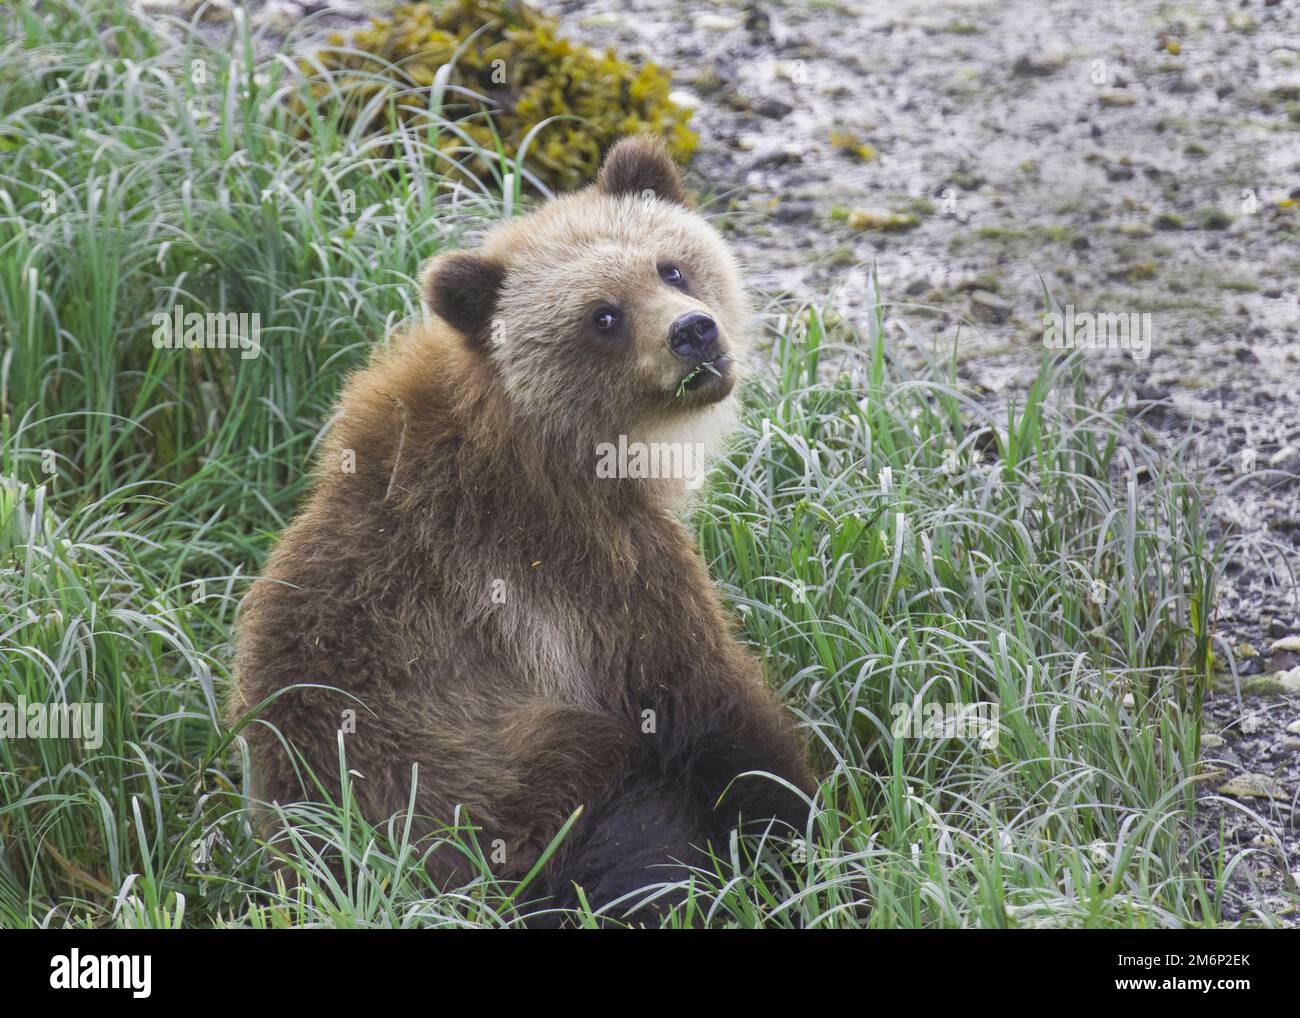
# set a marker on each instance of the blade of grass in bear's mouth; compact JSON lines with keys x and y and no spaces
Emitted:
{"x":694,"y":373}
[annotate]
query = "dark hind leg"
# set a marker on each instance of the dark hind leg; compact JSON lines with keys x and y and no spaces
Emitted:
{"x":657,"y":822}
{"x":648,"y":833}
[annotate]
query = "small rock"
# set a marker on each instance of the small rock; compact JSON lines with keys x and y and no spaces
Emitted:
{"x":1039,"y":64}
{"x":1114,"y":97}
{"x":793,"y":211}
{"x":1211,"y":742}
{"x":603,"y":19}
{"x":1246,"y":650}
{"x":1290,"y":680}
{"x":1251,"y":724}
{"x":773,"y":109}
{"x":716,"y":22}
{"x":783,"y":155}
{"x":1214,"y":219}
{"x":1252,"y":786}
{"x":218,"y":10}
{"x":925,"y":23}
{"x":989,"y":307}
{"x":1288,"y":643}
{"x":984,"y":281}
{"x":1294,"y":728}
{"x":1134,"y":272}
{"x":1134,"y":230}
{"x":757,"y":20}
{"x":1283,"y":661}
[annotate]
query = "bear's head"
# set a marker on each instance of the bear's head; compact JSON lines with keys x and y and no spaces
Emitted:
{"x":618,"y":307}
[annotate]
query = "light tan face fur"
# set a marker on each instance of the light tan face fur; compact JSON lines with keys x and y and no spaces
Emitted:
{"x":592,"y":251}
{"x":589,"y":252}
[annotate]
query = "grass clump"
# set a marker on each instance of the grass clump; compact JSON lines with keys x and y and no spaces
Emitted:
{"x":516,"y":85}
{"x":142,"y":173}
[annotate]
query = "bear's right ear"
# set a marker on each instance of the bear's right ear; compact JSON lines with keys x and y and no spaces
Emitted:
{"x":461,"y":288}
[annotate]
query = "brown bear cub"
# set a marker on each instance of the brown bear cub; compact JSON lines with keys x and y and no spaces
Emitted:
{"x":484,"y":601}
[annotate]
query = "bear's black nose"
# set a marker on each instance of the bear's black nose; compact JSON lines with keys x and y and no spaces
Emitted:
{"x":694,"y":336}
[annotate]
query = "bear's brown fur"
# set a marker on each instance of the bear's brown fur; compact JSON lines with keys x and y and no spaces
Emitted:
{"x":490,"y":608}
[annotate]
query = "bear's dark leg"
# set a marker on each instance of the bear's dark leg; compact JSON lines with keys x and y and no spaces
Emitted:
{"x":742,"y":734}
{"x":648,"y":832}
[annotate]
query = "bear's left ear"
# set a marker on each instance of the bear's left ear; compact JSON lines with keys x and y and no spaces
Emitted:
{"x":461,"y":288}
{"x":638,"y":165}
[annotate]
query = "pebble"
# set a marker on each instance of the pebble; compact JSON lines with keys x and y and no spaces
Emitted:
{"x":1114,"y":97}
{"x":989,"y":307}
{"x":1252,"y":786}
{"x":773,"y":109}
{"x":603,"y":19}
{"x":716,"y":22}
{"x":1040,"y":64}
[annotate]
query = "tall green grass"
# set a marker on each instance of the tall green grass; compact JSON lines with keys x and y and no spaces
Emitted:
{"x":141,"y":174}
{"x":883,"y":537}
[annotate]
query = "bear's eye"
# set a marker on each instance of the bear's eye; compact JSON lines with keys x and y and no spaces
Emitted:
{"x":606,"y":319}
{"x":671,"y":275}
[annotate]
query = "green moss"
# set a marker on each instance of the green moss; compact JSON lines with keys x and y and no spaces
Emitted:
{"x":874,"y":219}
{"x":847,"y":141}
{"x":1253,"y":685}
{"x":524,"y":70}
